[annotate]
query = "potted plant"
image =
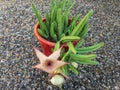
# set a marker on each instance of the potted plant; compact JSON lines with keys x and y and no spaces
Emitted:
{"x":57,"y":25}
{"x":61,"y":39}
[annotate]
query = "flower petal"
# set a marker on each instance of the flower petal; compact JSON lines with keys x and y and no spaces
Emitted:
{"x":40,"y":55}
{"x":44,"y":68}
{"x":55,"y":64}
{"x":37,"y":67}
{"x":55,"y":55}
{"x":60,"y":64}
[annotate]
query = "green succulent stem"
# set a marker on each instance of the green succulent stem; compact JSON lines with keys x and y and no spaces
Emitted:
{"x":66,"y":54}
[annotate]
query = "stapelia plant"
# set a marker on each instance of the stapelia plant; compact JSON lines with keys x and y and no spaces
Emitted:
{"x":57,"y":69}
{"x":57,"y":24}
{"x":58,"y":29}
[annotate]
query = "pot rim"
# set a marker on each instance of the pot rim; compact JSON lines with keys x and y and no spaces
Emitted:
{"x":39,"y":37}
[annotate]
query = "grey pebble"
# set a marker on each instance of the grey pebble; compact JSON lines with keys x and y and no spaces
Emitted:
{"x":17,"y":21}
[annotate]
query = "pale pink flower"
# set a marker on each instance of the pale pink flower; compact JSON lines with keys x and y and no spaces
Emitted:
{"x":49,"y":63}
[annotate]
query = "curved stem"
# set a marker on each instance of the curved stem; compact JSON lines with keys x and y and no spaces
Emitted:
{"x":66,"y":54}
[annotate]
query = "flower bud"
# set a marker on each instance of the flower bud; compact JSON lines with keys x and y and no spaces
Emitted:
{"x":57,"y":80}
{"x":75,"y":64}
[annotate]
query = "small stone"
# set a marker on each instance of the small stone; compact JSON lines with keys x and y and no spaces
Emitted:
{"x":49,"y":87}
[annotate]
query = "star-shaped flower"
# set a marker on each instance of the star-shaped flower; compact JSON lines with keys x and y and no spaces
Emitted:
{"x":49,"y":64}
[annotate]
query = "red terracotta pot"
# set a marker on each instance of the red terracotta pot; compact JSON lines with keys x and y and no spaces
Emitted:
{"x":46,"y":45}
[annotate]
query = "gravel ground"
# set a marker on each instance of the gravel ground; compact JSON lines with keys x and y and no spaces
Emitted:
{"x":17,"y":56}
